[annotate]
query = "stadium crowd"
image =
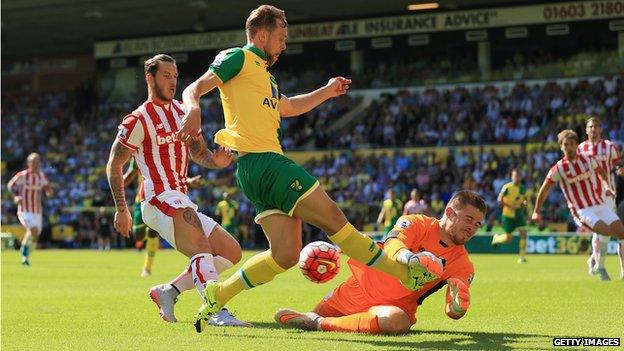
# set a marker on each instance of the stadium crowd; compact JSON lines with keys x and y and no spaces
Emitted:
{"x":73,"y":135}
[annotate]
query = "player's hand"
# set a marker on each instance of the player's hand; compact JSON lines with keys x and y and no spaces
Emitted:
{"x":338,"y":86}
{"x":432,"y":263}
{"x":222,"y":157}
{"x":536,"y":217}
{"x":191,"y":124}
{"x":123,"y":223}
{"x":194,"y":182}
{"x":620,"y":171}
{"x":17,"y":200}
{"x":458,"y":296}
{"x":610,"y":192}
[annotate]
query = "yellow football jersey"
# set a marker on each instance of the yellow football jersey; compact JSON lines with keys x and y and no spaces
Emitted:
{"x":250,"y":99}
{"x":515,"y":195}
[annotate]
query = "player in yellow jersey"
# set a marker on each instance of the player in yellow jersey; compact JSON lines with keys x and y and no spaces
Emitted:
{"x":283,"y":193}
{"x":390,"y":211}
{"x":513,"y":199}
{"x":227,"y":210}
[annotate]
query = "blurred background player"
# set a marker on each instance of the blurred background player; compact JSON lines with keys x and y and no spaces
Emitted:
{"x":149,"y":135}
{"x":27,"y":187}
{"x":607,"y":155}
{"x":104,"y":230}
{"x":416,"y":205}
{"x":227,"y":210}
{"x":143,"y":235}
{"x":513,"y":200}
{"x":579,"y":177}
{"x":283,"y":193}
{"x":374,"y":302}
{"x":391,"y":210}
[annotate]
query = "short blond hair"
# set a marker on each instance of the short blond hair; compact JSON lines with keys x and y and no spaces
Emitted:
{"x":567,"y":134}
{"x":264,"y":17}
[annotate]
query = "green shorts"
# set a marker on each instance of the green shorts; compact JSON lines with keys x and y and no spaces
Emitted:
{"x":137,"y":218}
{"x":273,"y":183}
{"x":511,"y":224}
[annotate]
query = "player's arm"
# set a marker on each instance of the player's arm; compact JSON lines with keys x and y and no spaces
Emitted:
{"x":119,"y":156}
{"x":200,"y":154}
{"x":604,"y":177}
{"x":403,"y":236}
{"x":194,"y":182}
{"x":541,"y":198}
{"x":300,"y":104}
{"x":191,"y":123}
{"x":501,"y":197}
{"x":12,"y":187}
{"x":381,"y":215}
{"x":225,"y":66}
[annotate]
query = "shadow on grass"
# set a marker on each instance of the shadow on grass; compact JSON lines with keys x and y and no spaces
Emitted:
{"x":415,"y":339}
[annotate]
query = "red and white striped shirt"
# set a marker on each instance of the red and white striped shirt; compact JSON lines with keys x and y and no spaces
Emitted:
{"x":606,"y":154}
{"x":162,"y":159}
{"x":30,"y":186}
{"x":578,"y":181}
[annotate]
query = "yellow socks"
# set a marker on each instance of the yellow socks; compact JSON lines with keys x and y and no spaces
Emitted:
{"x":151,"y":247}
{"x":257,"y":270}
{"x":362,"y":248}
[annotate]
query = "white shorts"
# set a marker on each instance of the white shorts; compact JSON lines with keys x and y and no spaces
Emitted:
{"x":589,"y":216}
{"x":30,"y":220}
{"x":158,"y":214}
{"x":610,"y":202}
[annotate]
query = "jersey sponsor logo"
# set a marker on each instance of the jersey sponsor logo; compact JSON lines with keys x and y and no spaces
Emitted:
{"x":167,"y":138}
{"x":578,"y":178}
{"x":270,"y":103}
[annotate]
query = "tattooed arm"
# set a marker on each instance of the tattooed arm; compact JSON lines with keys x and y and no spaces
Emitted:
{"x":202,"y":156}
{"x":119,"y":156}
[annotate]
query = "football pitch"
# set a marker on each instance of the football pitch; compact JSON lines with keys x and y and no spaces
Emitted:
{"x":88,"y":300}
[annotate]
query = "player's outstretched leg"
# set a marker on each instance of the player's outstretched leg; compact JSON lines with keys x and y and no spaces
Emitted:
{"x":321,"y":211}
{"x":286,"y":317}
{"x":600,"y":244}
{"x":284,"y":236}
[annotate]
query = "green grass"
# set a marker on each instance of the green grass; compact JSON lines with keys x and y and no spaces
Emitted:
{"x":87,"y":300}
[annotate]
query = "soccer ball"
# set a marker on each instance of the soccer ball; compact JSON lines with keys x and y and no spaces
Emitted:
{"x":319,"y":261}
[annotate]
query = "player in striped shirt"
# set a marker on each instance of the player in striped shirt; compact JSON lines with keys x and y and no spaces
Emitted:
{"x":579,"y":177}
{"x":27,"y":187}
{"x":607,"y":155}
{"x":149,"y":135}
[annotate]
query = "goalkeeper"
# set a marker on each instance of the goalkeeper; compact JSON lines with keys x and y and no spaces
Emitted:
{"x":374,"y":302}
